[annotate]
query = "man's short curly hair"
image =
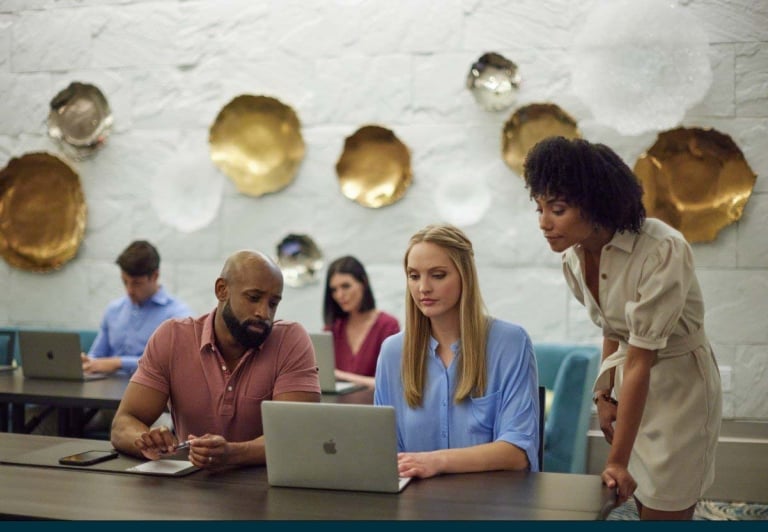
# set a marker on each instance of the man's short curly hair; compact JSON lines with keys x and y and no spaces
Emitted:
{"x":589,"y":176}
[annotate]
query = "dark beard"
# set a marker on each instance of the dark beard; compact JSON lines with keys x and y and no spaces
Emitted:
{"x":240,"y":331}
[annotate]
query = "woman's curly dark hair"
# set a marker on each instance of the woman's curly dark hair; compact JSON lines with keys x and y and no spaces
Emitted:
{"x":588,"y":176}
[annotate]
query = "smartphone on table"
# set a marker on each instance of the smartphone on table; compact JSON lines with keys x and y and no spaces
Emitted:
{"x":87,"y":458}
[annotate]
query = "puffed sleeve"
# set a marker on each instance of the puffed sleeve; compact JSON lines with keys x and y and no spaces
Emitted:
{"x":662,"y":291}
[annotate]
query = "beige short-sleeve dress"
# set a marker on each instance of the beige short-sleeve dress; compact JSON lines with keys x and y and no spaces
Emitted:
{"x":650,"y":298}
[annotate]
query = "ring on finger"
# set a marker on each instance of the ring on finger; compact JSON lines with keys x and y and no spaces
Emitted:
{"x":210,"y":459}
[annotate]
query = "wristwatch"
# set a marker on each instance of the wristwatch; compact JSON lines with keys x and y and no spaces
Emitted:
{"x":605,"y":396}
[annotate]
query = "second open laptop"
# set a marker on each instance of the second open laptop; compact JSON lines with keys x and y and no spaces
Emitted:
{"x":326,"y":365}
{"x":331,"y":446}
{"x":52,"y":355}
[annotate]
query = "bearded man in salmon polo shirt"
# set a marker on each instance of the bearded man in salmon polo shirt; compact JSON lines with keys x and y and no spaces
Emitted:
{"x":214,"y":371}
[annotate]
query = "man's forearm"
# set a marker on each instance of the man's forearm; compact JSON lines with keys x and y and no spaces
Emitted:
{"x":247,"y":452}
{"x":125,"y":430}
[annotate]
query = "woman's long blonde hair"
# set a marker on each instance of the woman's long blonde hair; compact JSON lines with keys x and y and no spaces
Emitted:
{"x":473,"y":321}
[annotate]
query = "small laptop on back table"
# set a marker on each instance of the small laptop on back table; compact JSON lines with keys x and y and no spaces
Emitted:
{"x":331,"y":446}
{"x":326,"y":366}
{"x":53,"y":355}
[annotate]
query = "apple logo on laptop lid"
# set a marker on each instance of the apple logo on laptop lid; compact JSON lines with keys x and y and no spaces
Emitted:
{"x":329,"y":447}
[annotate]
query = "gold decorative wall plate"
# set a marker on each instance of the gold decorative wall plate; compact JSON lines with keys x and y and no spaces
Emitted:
{"x":256,"y":141}
{"x":494,"y":81}
{"x":42,"y":212}
{"x":530,"y":124}
{"x":80,"y":119}
{"x":375,"y":168}
{"x":299,"y":259}
{"x":696,"y":180}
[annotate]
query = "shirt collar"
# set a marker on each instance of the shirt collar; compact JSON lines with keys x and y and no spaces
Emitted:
{"x":624,"y":241}
{"x":160,"y":297}
{"x":454,"y":346}
{"x":207,"y":338}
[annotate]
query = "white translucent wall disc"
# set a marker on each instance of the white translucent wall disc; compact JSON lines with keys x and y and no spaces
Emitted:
{"x":463,"y":201}
{"x":187,"y":189}
{"x":639,"y":66}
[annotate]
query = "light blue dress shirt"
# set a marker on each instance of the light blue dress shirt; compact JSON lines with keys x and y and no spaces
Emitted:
{"x":509,"y":410}
{"x":126,"y":327}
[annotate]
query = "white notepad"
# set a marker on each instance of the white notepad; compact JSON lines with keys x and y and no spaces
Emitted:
{"x":163,"y":467}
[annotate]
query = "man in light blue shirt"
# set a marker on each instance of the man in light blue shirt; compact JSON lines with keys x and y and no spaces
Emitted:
{"x":130,"y":320}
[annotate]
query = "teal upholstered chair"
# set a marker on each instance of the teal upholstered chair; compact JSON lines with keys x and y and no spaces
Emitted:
{"x":87,"y":336}
{"x":7,"y":346}
{"x":568,"y":371}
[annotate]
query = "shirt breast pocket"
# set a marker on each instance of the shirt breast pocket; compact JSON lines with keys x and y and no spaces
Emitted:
{"x":484,"y":410}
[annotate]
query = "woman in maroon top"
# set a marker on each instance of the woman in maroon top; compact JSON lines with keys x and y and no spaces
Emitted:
{"x":358,"y":328}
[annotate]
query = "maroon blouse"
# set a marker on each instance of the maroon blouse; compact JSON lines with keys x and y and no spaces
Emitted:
{"x":364,"y":361}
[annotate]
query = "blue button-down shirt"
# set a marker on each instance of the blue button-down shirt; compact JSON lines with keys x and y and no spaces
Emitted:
{"x":126,"y":327}
{"x":509,"y":410}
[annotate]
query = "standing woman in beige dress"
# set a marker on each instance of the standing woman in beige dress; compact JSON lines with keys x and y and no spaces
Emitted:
{"x":658,"y":391}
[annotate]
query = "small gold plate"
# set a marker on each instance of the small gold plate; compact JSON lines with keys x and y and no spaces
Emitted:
{"x":493,"y":81}
{"x":375,"y":168}
{"x":42,"y":212}
{"x":530,"y":124}
{"x":299,"y":259}
{"x":80,"y":119}
{"x":696,"y":180}
{"x":256,"y":141}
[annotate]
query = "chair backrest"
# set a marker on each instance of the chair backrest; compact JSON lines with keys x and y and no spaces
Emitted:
{"x":7,"y":346}
{"x":569,"y":370}
{"x":542,"y":402}
{"x":87,"y":336}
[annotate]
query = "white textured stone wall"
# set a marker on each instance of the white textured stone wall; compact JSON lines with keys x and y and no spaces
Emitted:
{"x":167,"y":67}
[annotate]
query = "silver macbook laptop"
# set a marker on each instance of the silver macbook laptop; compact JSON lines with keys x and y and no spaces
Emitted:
{"x":326,"y":365}
{"x":52,"y":355}
{"x":331,"y":446}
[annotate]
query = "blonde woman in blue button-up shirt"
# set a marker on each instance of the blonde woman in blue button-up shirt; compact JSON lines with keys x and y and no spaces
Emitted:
{"x":464,"y":385}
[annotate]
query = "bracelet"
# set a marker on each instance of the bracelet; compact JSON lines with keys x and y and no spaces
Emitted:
{"x":604,"y":396}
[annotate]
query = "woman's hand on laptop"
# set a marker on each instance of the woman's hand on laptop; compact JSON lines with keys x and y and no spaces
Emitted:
{"x":421,"y":465}
{"x":100,"y":365}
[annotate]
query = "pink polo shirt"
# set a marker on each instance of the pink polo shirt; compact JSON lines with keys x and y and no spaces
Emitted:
{"x":182,"y":360}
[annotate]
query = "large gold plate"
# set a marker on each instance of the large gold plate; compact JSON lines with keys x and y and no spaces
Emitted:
{"x":375,"y":167}
{"x":696,"y":180}
{"x":42,"y":212}
{"x":256,"y":141}
{"x":531,"y":124}
{"x":80,"y":119}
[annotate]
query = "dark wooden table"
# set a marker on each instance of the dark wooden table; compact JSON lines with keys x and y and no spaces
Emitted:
{"x":243,"y":494}
{"x":71,"y":397}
